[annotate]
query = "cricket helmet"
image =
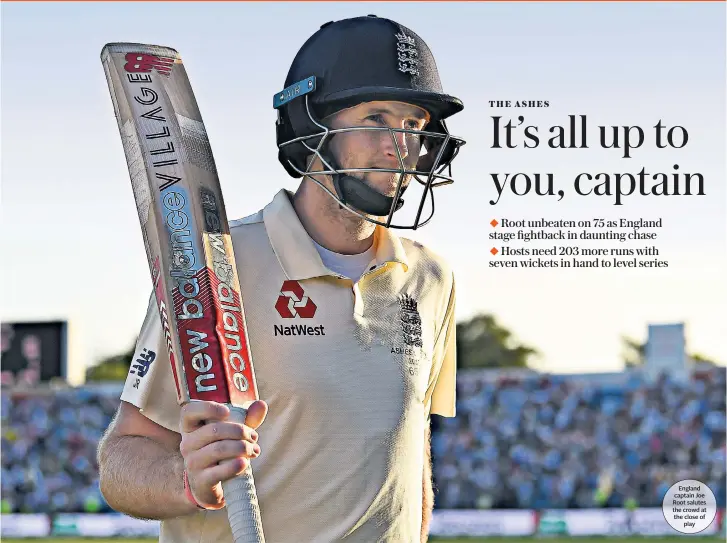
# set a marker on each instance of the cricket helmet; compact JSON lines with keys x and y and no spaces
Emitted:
{"x":348,"y":62}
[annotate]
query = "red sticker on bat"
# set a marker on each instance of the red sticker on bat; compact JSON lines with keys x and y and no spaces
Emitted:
{"x":140,"y":62}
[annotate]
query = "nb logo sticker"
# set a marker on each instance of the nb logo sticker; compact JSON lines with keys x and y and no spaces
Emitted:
{"x":141,"y":365}
{"x":139,"y":62}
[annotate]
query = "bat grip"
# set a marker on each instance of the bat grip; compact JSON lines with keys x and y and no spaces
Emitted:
{"x":243,"y":510}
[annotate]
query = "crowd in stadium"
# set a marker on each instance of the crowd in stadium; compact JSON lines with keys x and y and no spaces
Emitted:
{"x":49,"y":443}
{"x":562,"y":443}
{"x":545,"y":442}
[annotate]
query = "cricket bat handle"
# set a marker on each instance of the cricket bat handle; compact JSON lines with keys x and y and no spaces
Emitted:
{"x":243,"y":510}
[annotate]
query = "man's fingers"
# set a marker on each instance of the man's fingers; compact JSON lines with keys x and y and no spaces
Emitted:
{"x":216,"y":431}
{"x":194,"y":414}
{"x":224,"y":471}
{"x":218,"y":452}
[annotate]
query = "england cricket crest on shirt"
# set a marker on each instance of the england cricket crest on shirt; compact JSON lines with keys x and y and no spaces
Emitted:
{"x":411,"y":332}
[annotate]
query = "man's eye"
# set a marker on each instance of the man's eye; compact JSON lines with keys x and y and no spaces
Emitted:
{"x":376,"y":118}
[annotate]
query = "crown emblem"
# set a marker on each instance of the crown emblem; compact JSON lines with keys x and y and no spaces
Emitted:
{"x":408,"y":303}
{"x":403,"y":38}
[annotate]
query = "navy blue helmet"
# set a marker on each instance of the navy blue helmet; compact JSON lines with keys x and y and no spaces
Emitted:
{"x":358,"y":60}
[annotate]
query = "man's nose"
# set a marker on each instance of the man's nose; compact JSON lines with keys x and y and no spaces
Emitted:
{"x":396,"y":139}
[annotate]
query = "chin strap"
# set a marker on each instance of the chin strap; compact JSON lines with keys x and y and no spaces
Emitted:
{"x":354,"y":192}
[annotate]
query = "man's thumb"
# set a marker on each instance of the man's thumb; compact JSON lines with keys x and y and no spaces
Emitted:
{"x":256,"y":414}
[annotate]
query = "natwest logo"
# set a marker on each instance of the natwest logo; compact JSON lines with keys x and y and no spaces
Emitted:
{"x":293,"y":302}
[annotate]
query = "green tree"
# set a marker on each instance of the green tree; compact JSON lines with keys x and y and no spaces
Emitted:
{"x":704,"y":359}
{"x":112,"y":368}
{"x":634,"y":352}
{"x":483,"y":343}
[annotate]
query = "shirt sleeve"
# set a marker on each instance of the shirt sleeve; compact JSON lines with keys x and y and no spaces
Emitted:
{"x":444,"y":393}
{"x":150,"y":384}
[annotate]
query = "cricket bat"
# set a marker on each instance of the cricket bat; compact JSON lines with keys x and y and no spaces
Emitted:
{"x":187,"y":239}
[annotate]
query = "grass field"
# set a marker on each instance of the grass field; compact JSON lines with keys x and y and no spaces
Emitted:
{"x":433,"y":539}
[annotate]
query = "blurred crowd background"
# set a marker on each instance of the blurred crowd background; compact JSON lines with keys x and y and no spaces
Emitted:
{"x":538,"y":441}
{"x":562,"y":442}
{"x":49,"y":440}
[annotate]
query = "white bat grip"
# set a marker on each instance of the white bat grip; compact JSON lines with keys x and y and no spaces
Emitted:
{"x":243,"y":509}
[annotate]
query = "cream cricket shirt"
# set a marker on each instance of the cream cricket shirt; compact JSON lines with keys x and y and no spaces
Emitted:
{"x":350,"y":372}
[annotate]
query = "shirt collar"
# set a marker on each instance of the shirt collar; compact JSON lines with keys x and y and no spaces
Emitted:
{"x":295,"y":249}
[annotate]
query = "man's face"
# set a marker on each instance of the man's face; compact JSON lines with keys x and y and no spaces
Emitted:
{"x":378,"y":148}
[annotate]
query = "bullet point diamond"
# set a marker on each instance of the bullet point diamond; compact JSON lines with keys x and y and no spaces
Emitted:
{"x":494,"y":223}
{"x":493,"y":251}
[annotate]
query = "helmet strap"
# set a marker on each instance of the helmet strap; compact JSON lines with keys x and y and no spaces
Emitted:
{"x":354,"y":192}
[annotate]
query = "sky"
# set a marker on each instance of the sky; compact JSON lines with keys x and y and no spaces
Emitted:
{"x":71,"y":239}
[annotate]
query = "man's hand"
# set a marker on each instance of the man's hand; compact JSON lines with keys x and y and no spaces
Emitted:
{"x":216,"y":450}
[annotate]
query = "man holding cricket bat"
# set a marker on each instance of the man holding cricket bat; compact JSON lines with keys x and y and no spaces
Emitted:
{"x":351,"y":328}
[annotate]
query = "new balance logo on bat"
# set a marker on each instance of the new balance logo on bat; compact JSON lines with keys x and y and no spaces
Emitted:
{"x":138,"y":62}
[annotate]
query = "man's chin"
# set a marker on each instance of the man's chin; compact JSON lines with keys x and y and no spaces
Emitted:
{"x":386,"y":187}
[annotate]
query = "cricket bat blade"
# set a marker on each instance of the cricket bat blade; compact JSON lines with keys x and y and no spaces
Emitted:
{"x":188,"y":245}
